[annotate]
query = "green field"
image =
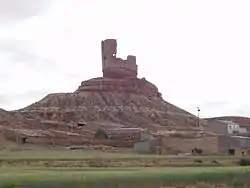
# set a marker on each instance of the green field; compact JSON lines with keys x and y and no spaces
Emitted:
{"x":137,"y":177}
{"x":68,"y":155}
{"x":78,"y":155}
{"x":26,"y":174}
{"x":83,"y":159}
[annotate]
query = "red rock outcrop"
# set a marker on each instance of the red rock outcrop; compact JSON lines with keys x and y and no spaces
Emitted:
{"x":128,"y":85}
{"x":113,"y":67}
{"x":117,"y":97}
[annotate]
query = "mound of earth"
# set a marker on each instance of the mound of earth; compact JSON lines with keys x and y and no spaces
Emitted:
{"x":130,"y":102}
{"x":7,"y":120}
{"x":10,"y":119}
{"x":16,"y":120}
{"x":118,"y":98}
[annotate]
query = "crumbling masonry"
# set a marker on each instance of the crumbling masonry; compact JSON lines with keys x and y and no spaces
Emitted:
{"x":113,"y":67}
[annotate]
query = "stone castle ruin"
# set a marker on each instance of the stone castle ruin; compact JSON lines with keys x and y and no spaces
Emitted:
{"x":113,"y":67}
{"x":118,"y":97}
{"x":118,"y":75}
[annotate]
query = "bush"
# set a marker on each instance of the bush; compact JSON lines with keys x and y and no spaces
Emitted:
{"x":197,"y":151}
{"x":198,"y":161}
{"x":96,"y":163}
{"x":215,"y":162}
{"x":180,"y":135}
{"x":13,"y":136}
{"x":244,"y":162}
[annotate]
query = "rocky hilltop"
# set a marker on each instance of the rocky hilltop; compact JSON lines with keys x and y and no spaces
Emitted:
{"x":10,"y":119}
{"x":118,"y":97}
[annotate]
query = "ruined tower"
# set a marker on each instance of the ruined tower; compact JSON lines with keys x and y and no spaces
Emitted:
{"x":113,"y":67}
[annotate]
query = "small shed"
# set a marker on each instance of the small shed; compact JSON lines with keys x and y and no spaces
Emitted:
{"x":81,"y":124}
{"x":177,"y":145}
{"x":215,"y":127}
{"x":131,"y":134}
{"x":244,"y":142}
{"x":226,"y":143}
{"x":210,"y":145}
{"x":147,"y":146}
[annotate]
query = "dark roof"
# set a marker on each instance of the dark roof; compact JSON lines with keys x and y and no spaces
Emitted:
{"x":125,"y":129}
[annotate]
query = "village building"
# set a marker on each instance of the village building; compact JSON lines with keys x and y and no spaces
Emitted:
{"x":244,"y":141}
{"x":123,"y":134}
{"x":233,"y":128}
{"x":210,"y":145}
{"x":222,"y":127}
{"x":149,"y":146}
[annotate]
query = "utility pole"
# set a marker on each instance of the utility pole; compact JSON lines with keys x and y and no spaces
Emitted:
{"x":166,"y":114}
{"x":198,"y":115}
{"x":17,"y":133}
{"x":17,"y":139}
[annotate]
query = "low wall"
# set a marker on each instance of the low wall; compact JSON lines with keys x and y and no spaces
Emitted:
{"x":171,"y":145}
{"x":113,"y":143}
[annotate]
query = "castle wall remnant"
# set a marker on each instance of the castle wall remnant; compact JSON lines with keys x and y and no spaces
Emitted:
{"x":133,"y":85}
{"x":113,"y":67}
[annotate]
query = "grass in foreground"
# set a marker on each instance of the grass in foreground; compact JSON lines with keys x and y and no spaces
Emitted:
{"x":109,"y":178}
{"x":67,"y":154}
{"x":83,"y":159}
{"x":78,"y":155}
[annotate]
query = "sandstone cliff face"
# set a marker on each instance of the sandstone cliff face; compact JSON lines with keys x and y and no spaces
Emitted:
{"x":134,"y":103}
{"x":118,"y":98}
{"x":9,"y":119}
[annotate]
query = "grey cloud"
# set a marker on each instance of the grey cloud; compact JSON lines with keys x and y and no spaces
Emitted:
{"x":13,"y":10}
{"x":215,"y":104}
{"x":3,"y":75}
{"x":73,"y":76}
{"x":6,"y":98}
{"x":19,"y":51}
{"x":241,"y":112}
{"x":209,"y":106}
{"x":33,"y":93}
{"x":224,"y":108}
{"x":13,"y":101}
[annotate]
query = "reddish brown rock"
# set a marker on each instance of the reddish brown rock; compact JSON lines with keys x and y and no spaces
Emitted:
{"x":128,"y":85}
{"x":113,"y":67}
{"x":117,"y":97}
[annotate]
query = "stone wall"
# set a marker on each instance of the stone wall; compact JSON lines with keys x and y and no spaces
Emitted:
{"x":209,"y":145}
{"x":136,"y":86}
{"x":215,"y":127}
{"x":114,"y":67}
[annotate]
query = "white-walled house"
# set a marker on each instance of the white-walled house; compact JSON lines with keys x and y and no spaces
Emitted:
{"x":233,"y":128}
{"x":223,"y":127}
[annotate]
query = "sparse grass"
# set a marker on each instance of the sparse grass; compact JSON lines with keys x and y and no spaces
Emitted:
{"x":198,"y":161}
{"x":83,"y":159}
{"x":91,"y":169}
{"x":244,"y":162}
{"x":79,"y":154}
{"x":67,"y":155}
{"x":121,"y":177}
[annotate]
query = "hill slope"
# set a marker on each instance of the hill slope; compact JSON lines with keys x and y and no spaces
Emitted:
{"x":243,"y":121}
{"x":10,"y":119}
{"x":143,"y":107}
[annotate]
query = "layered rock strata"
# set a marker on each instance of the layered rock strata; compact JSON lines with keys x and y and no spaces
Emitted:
{"x":118,"y":97}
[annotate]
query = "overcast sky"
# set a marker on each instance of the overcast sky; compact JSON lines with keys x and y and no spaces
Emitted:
{"x":196,"y":52}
